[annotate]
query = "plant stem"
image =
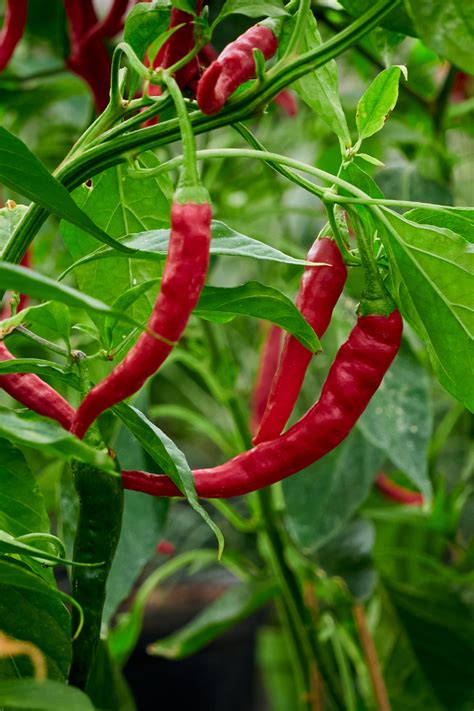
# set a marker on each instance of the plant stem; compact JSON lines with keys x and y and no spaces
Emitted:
{"x":42,"y":341}
{"x":370,"y":652}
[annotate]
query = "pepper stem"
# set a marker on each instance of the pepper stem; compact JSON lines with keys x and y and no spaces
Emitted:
{"x":189,"y":186}
{"x":374,"y":299}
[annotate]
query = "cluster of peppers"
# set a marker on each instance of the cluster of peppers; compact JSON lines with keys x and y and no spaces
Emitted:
{"x":354,"y":377}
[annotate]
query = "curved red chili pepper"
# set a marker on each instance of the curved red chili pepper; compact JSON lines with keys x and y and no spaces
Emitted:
{"x":398,"y":493}
{"x":319,"y":292}
{"x":34,"y":393}
{"x":13,"y":28}
{"x":354,"y":377}
{"x":268,"y":365}
{"x":234,"y":66}
{"x":183,"y":278}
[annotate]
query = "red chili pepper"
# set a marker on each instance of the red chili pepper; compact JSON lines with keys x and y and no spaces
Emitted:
{"x":354,"y":377}
{"x":287,"y":101}
{"x":319,"y":291}
{"x":165,"y":547}
{"x":34,"y":393}
{"x":398,"y":493}
{"x":234,"y":66}
{"x":269,"y":359}
{"x":13,"y":28}
{"x":183,"y":278}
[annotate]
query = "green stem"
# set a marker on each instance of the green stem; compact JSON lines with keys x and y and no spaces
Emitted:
{"x":297,"y":35}
{"x":42,"y":341}
{"x":113,"y":152}
{"x":246,"y":525}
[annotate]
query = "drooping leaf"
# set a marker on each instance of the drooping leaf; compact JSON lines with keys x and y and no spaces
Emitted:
{"x":168,"y":458}
{"x":222,"y":304}
{"x":432,"y":279}
{"x":237,"y":603}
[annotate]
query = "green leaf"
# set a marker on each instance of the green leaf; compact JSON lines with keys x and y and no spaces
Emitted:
{"x":144,"y":519}
{"x":42,"y":696}
{"x":319,"y":89}
{"x":9,"y":218}
{"x":432,"y":281}
{"x":144,"y":23}
{"x":457,"y":220}
{"x":11,"y":546}
{"x":447,"y":27}
{"x":106,"y":686}
{"x":378,"y":102}
{"x":30,"y":430}
{"x":21,"y":171}
{"x":168,"y":457}
{"x":322,"y":498}
{"x":43,"y":368}
{"x":226,"y":242}
{"x":222,"y":304}
{"x":399,"y":419}
{"x":34,"y":284}
{"x":121,"y":204}
{"x":260,"y":8}
{"x":237,"y":603}
{"x":397,"y":20}
{"x":31,"y":610}
{"x":22,"y":507}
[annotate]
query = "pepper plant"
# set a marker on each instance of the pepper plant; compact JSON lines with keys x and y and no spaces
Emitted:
{"x":166,"y":289}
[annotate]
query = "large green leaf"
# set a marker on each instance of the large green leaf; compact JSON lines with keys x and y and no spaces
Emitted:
{"x":168,"y":457}
{"x":447,"y":27}
{"x":261,"y":8}
{"x":43,"y":368}
{"x":21,"y":171}
{"x":222,"y":304}
{"x":432,"y":278}
{"x":322,"y":498}
{"x":399,"y":419}
{"x":319,"y":89}
{"x":237,"y":603}
{"x":31,"y":610}
{"x":42,"y":696}
{"x":30,"y":430}
{"x":457,"y":220}
{"x":226,"y":242}
{"x":22,"y":507}
{"x":120,"y":204}
{"x":144,"y":23}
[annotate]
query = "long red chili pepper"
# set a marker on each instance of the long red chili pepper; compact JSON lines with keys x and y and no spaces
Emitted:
{"x":319,"y":292}
{"x":398,"y":493}
{"x":268,"y":365}
{"x":183,"y":278}
{"x":234,"y":66}
{"x":354,"y":377}
{"x":13,"y":28}
{"x":34,"y":393}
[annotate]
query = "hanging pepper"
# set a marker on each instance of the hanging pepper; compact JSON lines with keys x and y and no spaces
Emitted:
{"x":13,"y":28}
{"x":319,"y":292}
{"x":32,"y":392}
{"x":234,"y":66}
{"x":184,"y":275}
{"x":354,"y":377}
{"x":395,"y":492}
{"x":268,"y":365}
